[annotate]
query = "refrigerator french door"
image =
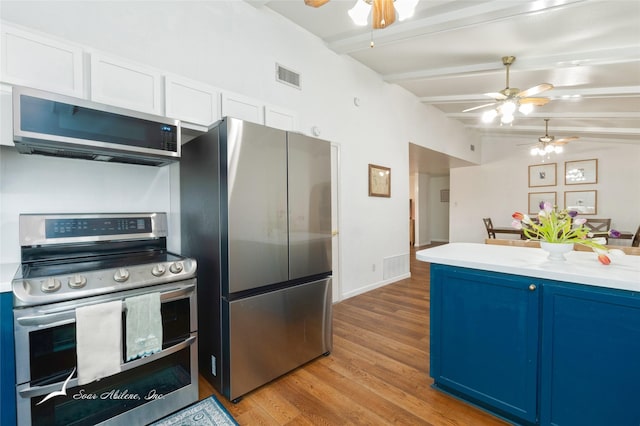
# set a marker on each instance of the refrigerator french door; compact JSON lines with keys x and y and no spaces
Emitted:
{"x":256,"y":214}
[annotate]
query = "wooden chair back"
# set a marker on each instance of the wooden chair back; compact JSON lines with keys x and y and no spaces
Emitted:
{"x":635,"y":242}
{"x":599,"y":225}
{"x":489,"y":226}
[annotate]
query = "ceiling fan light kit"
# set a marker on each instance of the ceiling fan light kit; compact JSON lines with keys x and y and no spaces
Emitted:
{"x":511,"y":99}
{"x":548,"y":144}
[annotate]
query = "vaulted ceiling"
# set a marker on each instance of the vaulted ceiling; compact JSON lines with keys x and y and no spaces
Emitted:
{"x":449,"y":55}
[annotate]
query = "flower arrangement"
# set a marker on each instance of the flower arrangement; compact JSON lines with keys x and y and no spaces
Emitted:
{"x":562,"y":226}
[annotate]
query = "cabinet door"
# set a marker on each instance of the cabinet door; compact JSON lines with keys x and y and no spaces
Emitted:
{"x":279,"y":118}
{"x":7,"y":361}
{"x":242,"y":107}
{"x":117,"y":82}
{"x":192,"y":102}
{"x":484,"y":339}
{"x":35,"y":61}
{"x":590,"y":369}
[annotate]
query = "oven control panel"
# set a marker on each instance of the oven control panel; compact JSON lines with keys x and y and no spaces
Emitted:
{"x":30,"y":291}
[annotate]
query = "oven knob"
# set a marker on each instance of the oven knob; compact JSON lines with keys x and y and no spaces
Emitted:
{"x":158,"y":269}
{"x":121,"y":275}
{"x":77,"y":281}
{"x":50,"y":285}
{"x":175,"y":268}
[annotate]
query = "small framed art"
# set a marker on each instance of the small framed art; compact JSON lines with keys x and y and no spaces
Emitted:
{"x":580,"y":172}
{"x":536,"y":198}
{"x":584,"y":202}
{"x":542,"y":175}
{"x":379,"y":181}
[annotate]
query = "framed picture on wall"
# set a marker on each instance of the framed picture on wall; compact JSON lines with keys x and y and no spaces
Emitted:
{"x":536,"y":198}
{"x":379,"y":181}
{"x":542,"y":175}
{"x":584,"y":202}
{"x":580,"y":172}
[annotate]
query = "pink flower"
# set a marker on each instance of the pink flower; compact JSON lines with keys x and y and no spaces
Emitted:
{"x":517,"y":216}
{"x":516,"y":224}
{"x":579,"y":221}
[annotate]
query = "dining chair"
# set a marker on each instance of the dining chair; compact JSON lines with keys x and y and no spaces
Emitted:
{"x":636,"y":238}
{"x":599,"y":225}
{"x":489,"y":226}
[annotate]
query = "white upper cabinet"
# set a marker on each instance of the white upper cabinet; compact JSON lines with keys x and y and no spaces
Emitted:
{"x":242,"y":107}
{"x":32,"y":60}
{"x":191,"y":101}
{"x":279,"y":118}
{"x":118,"y":82}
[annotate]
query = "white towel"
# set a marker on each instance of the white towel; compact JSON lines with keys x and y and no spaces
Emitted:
{"x":144,"y":325}
{"x":98,"y":341}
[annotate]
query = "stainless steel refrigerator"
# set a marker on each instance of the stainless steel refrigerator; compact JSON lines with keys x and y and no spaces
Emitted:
{"x":256,"y":214}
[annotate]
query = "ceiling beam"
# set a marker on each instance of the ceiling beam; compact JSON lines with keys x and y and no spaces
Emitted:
{"x":598,"y":92}
{"x":474,"y":15}
{"x":586,"y":58}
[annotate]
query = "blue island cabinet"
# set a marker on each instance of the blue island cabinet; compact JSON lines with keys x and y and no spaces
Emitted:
{"x":7,"y":362}
{"x":536,"y":351}
{"x":485,"y":339}
{"x":590,"y":356}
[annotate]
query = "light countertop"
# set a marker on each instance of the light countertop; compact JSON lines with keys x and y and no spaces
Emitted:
{"x":580,"y":267}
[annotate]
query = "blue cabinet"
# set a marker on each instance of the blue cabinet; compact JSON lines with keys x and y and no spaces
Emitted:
{"x":590,"y":363}
{"x":536,"y":351}
{"x":484,"y":339}
{"x":7,"y":361}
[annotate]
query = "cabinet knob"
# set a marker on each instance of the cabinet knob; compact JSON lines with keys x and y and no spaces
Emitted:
{"x":532,"y":287}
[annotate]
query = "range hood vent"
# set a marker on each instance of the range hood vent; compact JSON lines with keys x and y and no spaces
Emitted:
{"x":288,"y":77}
{"x":74,"y":152}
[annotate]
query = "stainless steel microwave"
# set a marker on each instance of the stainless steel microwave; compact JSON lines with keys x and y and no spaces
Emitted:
{"x":51,"y":124}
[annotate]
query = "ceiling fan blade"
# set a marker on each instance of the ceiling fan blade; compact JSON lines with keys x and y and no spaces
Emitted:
{"x":496,"y":95}
{"x":315,"y":3}
{"x":564,"y":141}
{"x":535,"y":101}
{"x":384,"y":13}
{"x":535,"y":90}
{"x":478,"y":107}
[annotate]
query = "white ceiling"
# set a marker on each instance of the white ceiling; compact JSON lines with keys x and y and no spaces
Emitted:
{"x":449,"y":55}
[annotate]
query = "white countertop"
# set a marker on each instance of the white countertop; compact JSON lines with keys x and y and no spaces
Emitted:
{"x":580,"y":267}
{"x":7,"y":271}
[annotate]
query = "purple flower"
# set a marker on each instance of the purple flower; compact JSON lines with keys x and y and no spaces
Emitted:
{"x":614,"y":234}
{"x":573,"y":213}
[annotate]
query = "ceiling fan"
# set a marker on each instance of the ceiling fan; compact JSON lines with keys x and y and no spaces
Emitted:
{"x":548,"y":144}
{"x":510,"y":98}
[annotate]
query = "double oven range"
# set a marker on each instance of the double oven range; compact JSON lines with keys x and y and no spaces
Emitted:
{"x":73,"y":261}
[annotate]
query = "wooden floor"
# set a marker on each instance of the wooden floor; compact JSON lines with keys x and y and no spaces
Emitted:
{"x":377,"y":373}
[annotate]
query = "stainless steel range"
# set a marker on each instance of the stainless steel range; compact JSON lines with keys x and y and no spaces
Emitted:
{"x":76,"y":266}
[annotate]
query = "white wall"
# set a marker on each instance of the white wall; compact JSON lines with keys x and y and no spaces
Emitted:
{"x":499,"y":187}
{"x":438,"y":210}
{"x":234,"y":46}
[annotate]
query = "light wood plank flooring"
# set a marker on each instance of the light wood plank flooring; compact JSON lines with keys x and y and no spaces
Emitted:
{"x":377,"y":373}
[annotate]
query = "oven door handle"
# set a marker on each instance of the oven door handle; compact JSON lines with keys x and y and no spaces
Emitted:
{"x":34,"y":391}
{"x":54,"y":318}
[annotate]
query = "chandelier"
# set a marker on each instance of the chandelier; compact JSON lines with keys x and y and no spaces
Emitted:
{"x":384,"y":12}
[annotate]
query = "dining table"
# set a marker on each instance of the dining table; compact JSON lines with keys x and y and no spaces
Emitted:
{"x":624,"y":235}
{"x":507,"y":230}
